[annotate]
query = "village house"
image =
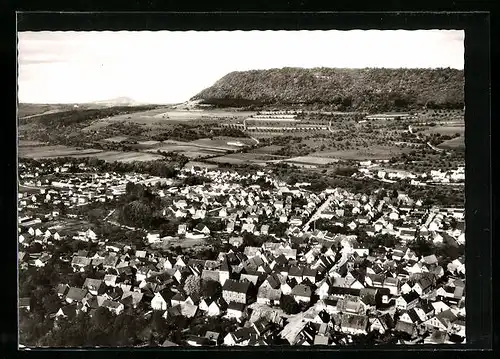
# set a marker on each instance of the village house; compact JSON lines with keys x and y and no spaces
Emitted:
{"x":236,"y":291}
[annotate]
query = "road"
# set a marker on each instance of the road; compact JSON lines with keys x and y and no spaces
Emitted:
{"x":316,"y":214}
{"x":256,"y":140}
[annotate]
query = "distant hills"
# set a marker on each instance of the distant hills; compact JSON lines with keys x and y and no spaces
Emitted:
{"x":370,"y":89}
{"x":118,"y":101}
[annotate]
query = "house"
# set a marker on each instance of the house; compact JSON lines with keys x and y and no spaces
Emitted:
{"x":177,"y":299}
{"x":381,"y":323}
{"x":181,"y":229}
{"x":80,"y":262}
{"x":131,"y":299}
{"x":296,"y":273}
{"x":188,"y":310}
{"x":301,"y":293}
{"x":25,"y":303}
{"x":168,"y":343}
{"x":407,"y":301}
{"x":196,"y":341}
{"x":110,"y":280}
{"x":214,"y":309}
{"x":113,"y":306}
{"x":94,"y":286}
{"x":230,"y":227}
{"x":75,"y":295}
{"x":267,"y":295}
{"x":68,"y":311}
{"x":201,"y":228}
{"x":235,"y":241}
{"x":354,"y":324}
{"x":392,"y":284}
{"x":235,"y":310}
{"x":213,"y":337}
{"x":423,"y":285}
{"x":62,"y":290}
{"x":241,"y":337}
{"x":159,"y":301}
{"x":410,"y":316}
{"x":441,"y":321}
{"x":405,"y":327}
{"x":236,"y":291}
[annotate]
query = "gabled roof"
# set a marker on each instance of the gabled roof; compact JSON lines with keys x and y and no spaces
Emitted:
{"x":354,"y":321}
{"x":302,"y":290}
{"x":76,"y":294}
{"x":236,"y":306}
{"x":231,"y":285}
{"x":410,"y":297}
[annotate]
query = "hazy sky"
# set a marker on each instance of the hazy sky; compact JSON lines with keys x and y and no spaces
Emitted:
{"x":170,"y":67}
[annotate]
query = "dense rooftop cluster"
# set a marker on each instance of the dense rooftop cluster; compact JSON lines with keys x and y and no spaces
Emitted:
{"x":297,"y":267}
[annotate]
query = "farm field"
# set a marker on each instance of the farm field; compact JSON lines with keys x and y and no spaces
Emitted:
{"x":187,"y":150}
{"x":116,"y":139}
{"x":369,"y":153}
{"x":312,"y":160}
{"x":454,"y":143}
{"x":267,"y":149}
{"x":27,"y":143}
{"x":183,"y":242}
{"x":112,"y":156}
{"x":446,"y":130}
{"x":38,"y":152}
{"x":164,"y":116}
{"x":70,"y":226}
{"x":218,"y":144}
{"x":240,"y":158}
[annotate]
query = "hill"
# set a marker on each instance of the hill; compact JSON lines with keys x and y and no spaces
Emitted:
{"x":371,"y":89}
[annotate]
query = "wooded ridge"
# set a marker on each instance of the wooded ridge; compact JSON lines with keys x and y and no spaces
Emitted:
{"x":370,"y":89}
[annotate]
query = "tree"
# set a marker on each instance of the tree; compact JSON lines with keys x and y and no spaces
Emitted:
{"x":289,"y":305}
{"x":210,"y":288}
{"x":158,"y":323}
{"x":101,"y":318}
{"x":193,"y":285}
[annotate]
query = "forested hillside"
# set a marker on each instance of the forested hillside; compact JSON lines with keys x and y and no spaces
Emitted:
{"x":373,"y":89}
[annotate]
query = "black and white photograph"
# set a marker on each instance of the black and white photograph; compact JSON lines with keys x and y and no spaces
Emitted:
{"x":241,"y":188}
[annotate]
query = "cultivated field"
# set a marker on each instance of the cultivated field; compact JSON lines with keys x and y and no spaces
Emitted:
{"x":39,"y":152}
{"x":116,"y":139}
{"x":267,"y":149}
{"x":183,"y":242}
{"x":112,"y":156}
{"x":165,"y":116}
{"x":446,"y":130}
{"x":311,"y":160}
{"x":27,"y":143}
{"x":374,"y":152}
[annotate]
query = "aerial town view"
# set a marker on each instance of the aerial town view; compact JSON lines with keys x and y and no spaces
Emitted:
{"x":312,"y":195}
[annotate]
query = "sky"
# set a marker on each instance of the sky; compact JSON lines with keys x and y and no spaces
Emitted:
{"x":170,"y":67}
